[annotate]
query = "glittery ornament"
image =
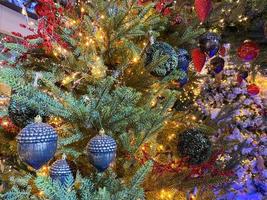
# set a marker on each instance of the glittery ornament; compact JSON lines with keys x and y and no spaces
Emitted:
{"x":157,"y":50}
{"x":101,"y":151}
{"x":195,"y":146}
{"x":21,"y":112}
{"x":248,"y":51}
{"x":37,"y":143}
{"x":253,"y":89}
{"x":8,"y":126}
{"x":183,"y":59}
{"x":199,"y":59}
{"x":203,"y":8}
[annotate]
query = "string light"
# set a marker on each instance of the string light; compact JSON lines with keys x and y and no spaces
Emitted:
{"x":135,"y":59}
{"x":41,"y":193}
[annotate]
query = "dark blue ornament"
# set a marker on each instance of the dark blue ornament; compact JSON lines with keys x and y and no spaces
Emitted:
{"x":61,"y":171}
{"x":210,"y":43}
{"x":161,"y":49}
{"x":183,"y":59}
{"x":183,"y":81}
{"x":244,"y":74}
{"x":37,"y":144}
{"x":101,"y":151}
{"x":217,"y":64}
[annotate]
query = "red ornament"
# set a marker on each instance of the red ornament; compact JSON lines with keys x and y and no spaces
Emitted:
{"x":248,"y":51}
{"x":222,"y":51}
{"x":253,"y":89}
{"x":199,"y":59}
{"x":203,"y":8}
{"x":7,"y":125}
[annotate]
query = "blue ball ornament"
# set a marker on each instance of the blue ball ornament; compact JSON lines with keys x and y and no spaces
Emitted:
{"x":183,"y":59}
{"x":244,"y":74}
{"x":37,"y":143}
{"x":101,"y":151}
{"x":217,"y":64}
{"x":210,"y":43}
{"x":61,"y":171}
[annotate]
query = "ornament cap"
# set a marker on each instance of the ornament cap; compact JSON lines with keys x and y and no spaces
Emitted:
{"x":38,"y":119}
{"x":102,"y":132}
{"x":64,"y":156}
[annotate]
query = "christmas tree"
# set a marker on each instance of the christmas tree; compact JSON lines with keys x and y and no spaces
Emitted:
{"x":102,"y":101}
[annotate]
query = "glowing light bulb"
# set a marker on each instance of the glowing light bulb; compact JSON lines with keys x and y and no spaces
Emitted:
{"x":135,"y":59}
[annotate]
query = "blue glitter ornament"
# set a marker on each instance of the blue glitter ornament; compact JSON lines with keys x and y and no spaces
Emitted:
{"x":101,"y":151}
{"x":183,"y":81}
{"x":61,"y":171}
{"x":183,"y":59}
{"x":37,"y":143}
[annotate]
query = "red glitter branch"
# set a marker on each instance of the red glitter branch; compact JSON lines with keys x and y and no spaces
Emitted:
{"x":177,"y":166}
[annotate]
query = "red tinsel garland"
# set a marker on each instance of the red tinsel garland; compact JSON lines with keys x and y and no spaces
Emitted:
{"x":177,"y":166}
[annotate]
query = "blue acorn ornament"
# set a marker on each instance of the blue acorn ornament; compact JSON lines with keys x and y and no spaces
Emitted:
{"x":101,"y":151}
{"x":61,"y":171}
{"x":183,"y":59}
{"x":37,"y":143}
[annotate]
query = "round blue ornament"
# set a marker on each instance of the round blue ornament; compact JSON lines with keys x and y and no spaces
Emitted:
{"x":37,"y":143}
{"x":61,"y":171}
{"x":183,"y":59}
{"x":101,"y":151}
{"x":210,"y":43}
{"x":217,"y":64}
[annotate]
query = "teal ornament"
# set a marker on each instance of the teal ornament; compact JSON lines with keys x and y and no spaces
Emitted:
{"x":157,"y":50}
{"x":21,"y":113}
{"x":61,"y":171}
{"x":37,"y":143}
{"x":101,"y":151}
